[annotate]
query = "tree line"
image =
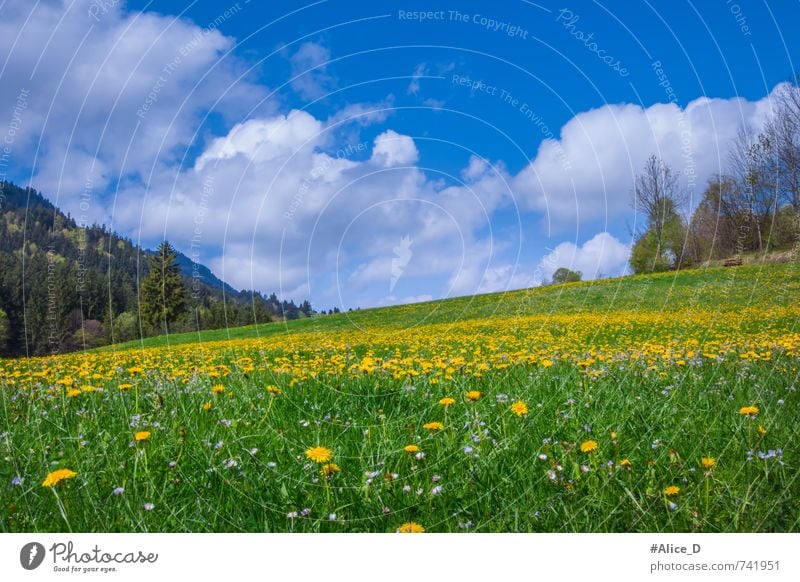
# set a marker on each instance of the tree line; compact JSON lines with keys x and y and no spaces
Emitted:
{"x":65,"y":287}
{"x":751,"y":207}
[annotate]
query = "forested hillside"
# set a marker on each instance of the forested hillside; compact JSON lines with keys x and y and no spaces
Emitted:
{"x":65,"y":287}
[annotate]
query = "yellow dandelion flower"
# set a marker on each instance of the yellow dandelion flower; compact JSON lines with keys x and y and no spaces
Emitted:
{"x":207,"y":406}
{"x":330,"y":469}
{"x":447,"y":401}
{"x":319,"y":454}
{"x":411,"y":448}
{"x":588,"y":446}
{"x":410,"y":527}
{"x":519,"y":408}
{"x":761,"y":430}
{"x":672,"y":491}
{"x":473,"y":395}
{"x":142,"y":435}
{"x":73,"y":393}
{"x":125,"y":386}
{"x":748,"y":410}
{"x":56,"y":476}
{"x":217,"y":388}
{"x":708,"y":462}
{"x":88,"y":388}
{"x":274,"y":390}
{"x":433,"y":426}
{"x":625,"y":464}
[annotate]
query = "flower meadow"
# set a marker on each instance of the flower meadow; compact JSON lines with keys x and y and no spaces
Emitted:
{"x":659,"y":403}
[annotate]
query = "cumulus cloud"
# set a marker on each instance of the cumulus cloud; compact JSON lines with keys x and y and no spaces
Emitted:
{"x":601,"y":256}
{"x":393,"y":149}
{"x":587,"y":173}
{"x":310,"y":78}
{"x":112,"y":95}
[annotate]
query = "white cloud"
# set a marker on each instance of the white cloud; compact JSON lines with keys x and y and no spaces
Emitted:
{"x":264,"y":139}
{"x":118,"y":99}
{"x":310,"y":78}
{"x":587,"y":174}
{"x":393,"y":149}
{"x":601,"y":256}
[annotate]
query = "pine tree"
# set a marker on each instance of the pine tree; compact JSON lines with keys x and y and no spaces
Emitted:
{"x":163,"y":296}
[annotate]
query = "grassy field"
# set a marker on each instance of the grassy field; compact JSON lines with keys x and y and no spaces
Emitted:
{"x":652,"y":403}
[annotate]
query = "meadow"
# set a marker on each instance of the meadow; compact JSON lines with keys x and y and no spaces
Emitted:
{"x":652,"y":403}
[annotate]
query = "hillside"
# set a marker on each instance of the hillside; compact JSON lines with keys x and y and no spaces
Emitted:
{"x":62,"y":284}
{"x":724,"y":291}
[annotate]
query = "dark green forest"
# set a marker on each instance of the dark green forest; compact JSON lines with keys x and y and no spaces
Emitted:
{"x":65,"y":287}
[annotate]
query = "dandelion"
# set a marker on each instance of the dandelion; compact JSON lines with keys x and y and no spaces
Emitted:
{"x":207,"y":406}
{"x":57,"y":476}
{"x":473,"y":395}
{"x":588,"y":446}
{"x":672,"y":491}
{"x":125,"y":386}
{"x":447,"y":401}
{"x":319,"y":454}
{"x":330,"y":469}
{"x":410,"y":527}
{"x":708,"y":463}
{"x":73,"y":393}
{"x":218,"y":388}
{"x":519,"y":408}
{"x":749,"y":411}
{"x":274,"y":390}
{"x":411,"y":448}
{"x":432,"y":426}
{"x":142,"y":435}
{"x":761,"y":430}
{"x":625,"y":464}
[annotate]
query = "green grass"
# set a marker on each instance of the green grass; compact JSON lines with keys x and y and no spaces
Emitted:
{"x":241,"y":466}
{"x":720,"y":289}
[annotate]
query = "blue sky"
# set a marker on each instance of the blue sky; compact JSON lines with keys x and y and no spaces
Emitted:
{"x":359,"y":154}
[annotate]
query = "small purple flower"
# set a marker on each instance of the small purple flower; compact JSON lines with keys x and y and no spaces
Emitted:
{"x":437,"y":478}
{"x":305,"y":512}
{"x":291,"y":515}
{"x":16,"y":481}
{"x":149,"y":507}
{"x":118,"y":491}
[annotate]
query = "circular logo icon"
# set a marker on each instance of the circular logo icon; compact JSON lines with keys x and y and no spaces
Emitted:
{"x":31,"y":555}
